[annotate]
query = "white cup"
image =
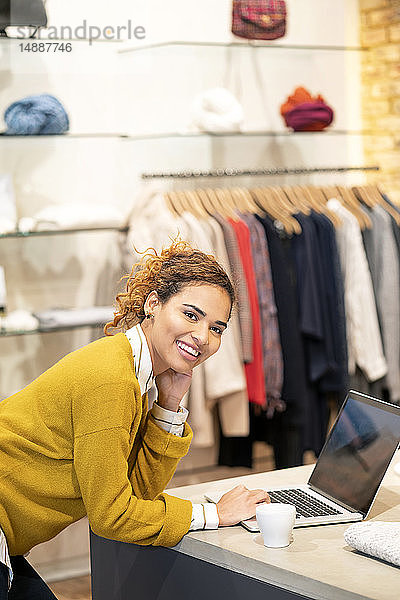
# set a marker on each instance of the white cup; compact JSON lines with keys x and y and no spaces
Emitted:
{"x":276,"y":523}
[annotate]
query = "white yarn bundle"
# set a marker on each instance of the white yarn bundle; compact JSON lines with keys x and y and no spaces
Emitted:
{"x":217,"y":111}
{"x":376,"y":538}
{"x":19,"y":320}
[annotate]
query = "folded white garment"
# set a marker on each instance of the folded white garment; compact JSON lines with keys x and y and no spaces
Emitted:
{"x":19,"y":320}
{"x":217,"y":110}
{"x":26,"y":224}
{"x":69,"y":317}
{"x":73,"y":215}
{"x":376,"y":538}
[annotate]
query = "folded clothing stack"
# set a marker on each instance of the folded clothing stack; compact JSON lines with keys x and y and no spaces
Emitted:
{"x":376,"y":538}
{"x":73,"y":317}
{"x":72,"y":215}
{"x":19,"y":320}
{"x":302,"y":112}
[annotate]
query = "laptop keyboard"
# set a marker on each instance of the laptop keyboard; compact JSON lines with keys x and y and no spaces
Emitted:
{"x":306,"y":505}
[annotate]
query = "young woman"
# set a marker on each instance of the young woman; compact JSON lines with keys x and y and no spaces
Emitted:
{"x":80,"y":439}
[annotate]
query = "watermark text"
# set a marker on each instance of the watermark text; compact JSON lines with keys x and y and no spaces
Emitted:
{"x":84,"y":31}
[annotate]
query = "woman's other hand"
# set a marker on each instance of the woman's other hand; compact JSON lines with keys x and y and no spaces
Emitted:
{"x":239,"y":504}
{"x":172,"y":386}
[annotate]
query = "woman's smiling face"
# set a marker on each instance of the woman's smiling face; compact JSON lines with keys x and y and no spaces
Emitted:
{"x":187,"y":328}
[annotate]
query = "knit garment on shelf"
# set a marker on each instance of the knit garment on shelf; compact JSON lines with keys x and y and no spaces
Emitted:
{"x":302,"y":112}
{"x":217,"y":110}
{"x":376,"y":538}
{"x":41,"y":114}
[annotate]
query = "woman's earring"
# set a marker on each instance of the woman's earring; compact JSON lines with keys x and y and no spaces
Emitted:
{"x":149,"y":316}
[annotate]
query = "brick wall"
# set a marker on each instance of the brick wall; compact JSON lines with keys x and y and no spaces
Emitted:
{"x":380,"y":32}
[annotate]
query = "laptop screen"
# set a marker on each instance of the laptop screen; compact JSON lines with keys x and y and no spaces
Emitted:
{"x":358,"y":451}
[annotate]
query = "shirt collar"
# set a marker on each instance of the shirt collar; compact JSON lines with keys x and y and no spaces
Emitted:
{"x":142,"y":359}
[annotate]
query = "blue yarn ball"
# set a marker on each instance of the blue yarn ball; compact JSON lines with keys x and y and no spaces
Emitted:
{"x":41,"y":114}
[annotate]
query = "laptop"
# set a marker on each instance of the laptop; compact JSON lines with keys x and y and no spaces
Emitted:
{"x":350,"y":468}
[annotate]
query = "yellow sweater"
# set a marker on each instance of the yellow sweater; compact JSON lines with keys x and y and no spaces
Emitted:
{"x":78,"y":440}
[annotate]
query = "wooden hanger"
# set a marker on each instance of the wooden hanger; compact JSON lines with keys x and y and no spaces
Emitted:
{"x":185,"y":200}
{"x":258,"y":199}
{"x":336,"y":220}
{"x":313,"y":197}
{"x":206,"y":202}
{"x":195,"y":204}
{"x":295,"y":200}
{"x":283,"y":200}
{"x":220,"y":205}
{"x":350,"y":201}
{"x":362,"y":194}
{"x":245,"y":202}
{"x":227,"y":200}
{"x":286,"y":192}
{"x":175,"y":200}
{"x":320,"y":196}
{"x":215,"y":202}
{"x":265,"y":201}
{"x":330,"y":191}
{"x":261,"y":200}
{"x":302,"y":198}
{"x":210,"y":201}
{"x":285,"y":207}
{"x":168,"y":197}
{"x":280,"y":199}
{"x":318,"y":203}
{"x":376,"y":193}
{"x":253,"y":206}
{"x":270,"y":203}
{"x":239,"y":202}
{"x":371,"y":197}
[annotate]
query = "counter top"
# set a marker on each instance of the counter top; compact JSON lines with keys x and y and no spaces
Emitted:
{"x":318,"y":564}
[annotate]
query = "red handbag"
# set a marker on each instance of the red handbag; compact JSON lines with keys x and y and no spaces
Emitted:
{"x":259,"y":19}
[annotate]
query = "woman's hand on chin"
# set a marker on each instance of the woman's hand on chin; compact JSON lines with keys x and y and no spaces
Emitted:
{"x":172,"y":386}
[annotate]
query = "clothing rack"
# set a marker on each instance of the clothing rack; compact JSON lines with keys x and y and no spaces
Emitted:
{"x":189,"y":174}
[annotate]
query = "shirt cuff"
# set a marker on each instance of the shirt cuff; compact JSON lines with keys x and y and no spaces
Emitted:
{"x":169,"y":420}
{"x":204,"y":516}
{"x":212,"y":518}
{"x":197,"y":521}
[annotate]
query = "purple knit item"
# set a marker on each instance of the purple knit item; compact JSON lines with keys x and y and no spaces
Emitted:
{"x":309,"y":116}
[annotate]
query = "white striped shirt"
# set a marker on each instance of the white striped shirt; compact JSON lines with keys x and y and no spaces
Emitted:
{"x":5,"y":557}
{"x":204,"y":516}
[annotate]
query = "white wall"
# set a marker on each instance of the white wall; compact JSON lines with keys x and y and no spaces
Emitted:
{"x":151,"y":91}
{"x":108,"y":91}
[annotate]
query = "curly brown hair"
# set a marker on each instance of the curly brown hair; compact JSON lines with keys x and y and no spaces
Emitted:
{"x":167,"y":273}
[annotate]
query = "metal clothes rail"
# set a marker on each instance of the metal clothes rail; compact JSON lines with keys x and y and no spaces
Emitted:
{"x":189,"y":174}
